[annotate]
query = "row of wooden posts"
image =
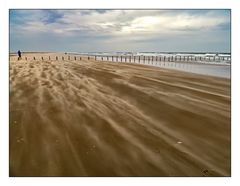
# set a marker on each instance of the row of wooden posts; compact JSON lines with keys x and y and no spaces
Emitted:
{"x":137,"y":58}
{"x":55,"y":58}
{"x":162,"y":58}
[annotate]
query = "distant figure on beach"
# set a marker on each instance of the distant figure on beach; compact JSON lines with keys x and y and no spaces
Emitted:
{"x":19,"y":55}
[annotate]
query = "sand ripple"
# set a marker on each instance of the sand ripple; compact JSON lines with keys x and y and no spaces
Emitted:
{"x":83,"y":118}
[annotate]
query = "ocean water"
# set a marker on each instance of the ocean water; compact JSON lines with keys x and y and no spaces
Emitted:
{"x":221,"y":67}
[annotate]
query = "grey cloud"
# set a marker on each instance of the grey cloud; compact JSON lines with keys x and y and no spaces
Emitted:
{"x":102,"y":29}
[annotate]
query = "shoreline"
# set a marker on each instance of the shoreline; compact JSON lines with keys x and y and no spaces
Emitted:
{"x":197,"y":67}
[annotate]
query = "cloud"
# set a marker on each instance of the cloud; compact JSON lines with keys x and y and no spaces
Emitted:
{"x":136,"y":26}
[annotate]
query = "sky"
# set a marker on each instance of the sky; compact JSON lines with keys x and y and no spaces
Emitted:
{"x":120,"y":30}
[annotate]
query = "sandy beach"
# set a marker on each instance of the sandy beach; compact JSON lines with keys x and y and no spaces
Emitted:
{"x":87,"y":118}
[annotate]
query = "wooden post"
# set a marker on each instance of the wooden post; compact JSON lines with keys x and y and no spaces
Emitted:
{"x":42,"y":58}
{"x":139,"y":59}
{"x":34,"y":58}
{"x":121,"y":58}
{"x":56,"y":58}
{"x":49,"y":57}
{"x":95,"y":58}
{"x":143,"y":59}
{"x":26,"y":58}
{"x":62,"y":58}
{"x":80,"y":58}
{"x":75,"y":58}
{"x":112,"y":58}
{"x":68,"y":57}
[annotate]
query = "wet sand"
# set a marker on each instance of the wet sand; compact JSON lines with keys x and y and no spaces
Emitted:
{"x":88,"y":118}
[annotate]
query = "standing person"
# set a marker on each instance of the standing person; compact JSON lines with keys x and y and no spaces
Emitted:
{"x":19,"y":55}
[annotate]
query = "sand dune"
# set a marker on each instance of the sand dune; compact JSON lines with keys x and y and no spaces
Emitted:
{"x":88,"y":118}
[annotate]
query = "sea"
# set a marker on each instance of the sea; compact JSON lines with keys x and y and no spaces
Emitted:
{"x":220,"y":67}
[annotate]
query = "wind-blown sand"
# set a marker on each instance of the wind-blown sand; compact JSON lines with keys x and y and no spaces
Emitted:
{"x":88,"y":118}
